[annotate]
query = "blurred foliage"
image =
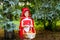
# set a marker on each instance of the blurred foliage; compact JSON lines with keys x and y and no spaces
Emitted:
{"x":9,"y":12}
{"x":46,"y":13}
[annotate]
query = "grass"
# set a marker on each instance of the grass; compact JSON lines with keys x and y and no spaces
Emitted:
{"x":58,"y":23}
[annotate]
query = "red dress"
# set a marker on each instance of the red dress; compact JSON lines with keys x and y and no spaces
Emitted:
{"x":26,"y":21}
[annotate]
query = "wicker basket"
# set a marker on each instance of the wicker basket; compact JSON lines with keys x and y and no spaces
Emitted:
{"x":29,"y":35}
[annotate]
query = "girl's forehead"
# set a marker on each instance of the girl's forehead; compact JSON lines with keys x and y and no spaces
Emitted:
{"x":26,"y":12}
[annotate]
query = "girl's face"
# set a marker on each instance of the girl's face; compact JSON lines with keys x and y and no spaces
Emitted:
{"x":26,"y":14}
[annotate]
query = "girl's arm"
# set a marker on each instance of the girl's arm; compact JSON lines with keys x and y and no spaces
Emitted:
{"x":32,"y":25}
{"x":21,"y":23}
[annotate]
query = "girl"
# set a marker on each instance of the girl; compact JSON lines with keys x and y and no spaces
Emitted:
{"x":26,"y":27}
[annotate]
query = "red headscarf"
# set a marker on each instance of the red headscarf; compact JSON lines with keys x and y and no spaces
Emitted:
{"x":23,"y":12}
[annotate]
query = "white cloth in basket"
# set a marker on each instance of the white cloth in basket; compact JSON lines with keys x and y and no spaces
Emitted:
{"x":27,"y":28}
{"x":31,"y":35}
